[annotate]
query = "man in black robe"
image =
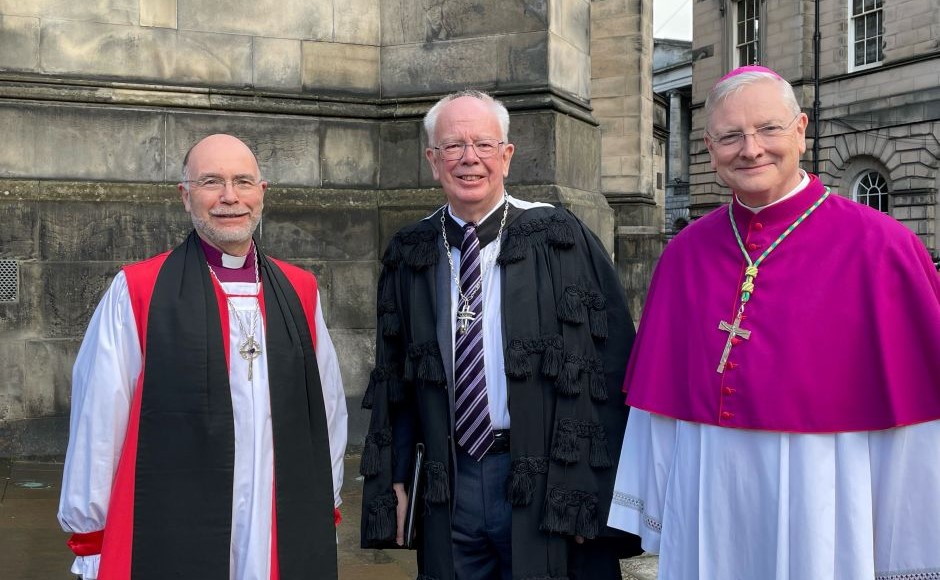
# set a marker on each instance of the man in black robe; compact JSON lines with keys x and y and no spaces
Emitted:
{"x":494,"y":310}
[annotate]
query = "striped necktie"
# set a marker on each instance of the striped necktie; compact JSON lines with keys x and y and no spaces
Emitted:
{"x":472,"y":410}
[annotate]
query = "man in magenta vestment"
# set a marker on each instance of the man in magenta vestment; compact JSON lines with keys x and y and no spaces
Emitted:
{"x":785,"y":381}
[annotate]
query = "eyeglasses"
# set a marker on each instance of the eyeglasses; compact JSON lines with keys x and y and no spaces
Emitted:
{"x":484,"y":148}
{"x":218,"y":184}
{"x":764,"y":133}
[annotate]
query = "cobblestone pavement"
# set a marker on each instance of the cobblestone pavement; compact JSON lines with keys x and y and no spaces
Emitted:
{"x":32,"y":547}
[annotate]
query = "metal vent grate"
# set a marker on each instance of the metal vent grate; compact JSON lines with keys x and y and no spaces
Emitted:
{"x":9,"y":281}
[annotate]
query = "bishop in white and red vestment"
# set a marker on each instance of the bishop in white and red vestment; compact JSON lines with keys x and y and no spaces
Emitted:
{"x":191,"y":454}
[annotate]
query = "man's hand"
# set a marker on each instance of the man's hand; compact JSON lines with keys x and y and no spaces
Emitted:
{"x":400,"y":511}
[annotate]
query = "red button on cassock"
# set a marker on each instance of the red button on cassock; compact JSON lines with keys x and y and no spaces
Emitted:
{"x":732,"y":365}
{"x":726,"y":414}
{"x":728,"y":390}
{"x":758,"y":226}
{"x":752,"y":246}
{"x":735,"y":340}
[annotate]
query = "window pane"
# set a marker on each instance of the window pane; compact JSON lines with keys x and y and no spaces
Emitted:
{"x":859,"y":28}
{"x":856,"y":7}
{"x":871,"y":51}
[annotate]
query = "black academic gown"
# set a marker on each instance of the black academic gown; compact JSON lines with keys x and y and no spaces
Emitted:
{"x":567,"y":334}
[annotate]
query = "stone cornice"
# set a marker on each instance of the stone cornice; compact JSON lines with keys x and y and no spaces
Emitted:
{"x":15,"y":87}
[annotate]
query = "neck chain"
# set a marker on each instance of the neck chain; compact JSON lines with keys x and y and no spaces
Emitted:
{"x":249,"y":349}
{"x":465,"y":314}
{"x":734,"y":330}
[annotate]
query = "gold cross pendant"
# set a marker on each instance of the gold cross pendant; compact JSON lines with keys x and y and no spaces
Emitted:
{"x":733,"y":330}
{"x":250,"y":350}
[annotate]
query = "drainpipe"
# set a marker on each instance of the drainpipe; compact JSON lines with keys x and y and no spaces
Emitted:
{"x":816,"y":39}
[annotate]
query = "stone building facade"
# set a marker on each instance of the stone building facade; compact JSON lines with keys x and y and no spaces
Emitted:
{"x":100,"y":100}
{"x":878,"y":138}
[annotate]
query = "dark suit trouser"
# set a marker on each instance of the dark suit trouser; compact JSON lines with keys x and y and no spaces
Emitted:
{"x":481,"y":528}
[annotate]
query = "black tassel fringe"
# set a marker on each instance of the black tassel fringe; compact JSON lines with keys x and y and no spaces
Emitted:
{"x":437,"y":489}
{"x":600,"y":455}
{"x":380,"y":525}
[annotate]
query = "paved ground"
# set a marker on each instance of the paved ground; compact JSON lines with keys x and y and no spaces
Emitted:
{"x":32,"y":547}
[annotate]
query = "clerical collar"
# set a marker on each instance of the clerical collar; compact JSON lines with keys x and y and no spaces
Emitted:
{"x":487,"y":228}
{"x":230,"y":268}
{"x":799,"y":187}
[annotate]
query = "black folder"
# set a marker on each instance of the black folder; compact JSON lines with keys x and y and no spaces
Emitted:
{"x":414,"y":488}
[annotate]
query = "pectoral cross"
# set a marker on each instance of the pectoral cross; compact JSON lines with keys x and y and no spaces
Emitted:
{"x":464,"y":317}
{"x":250,"y":350}
{"x":733,"y":330}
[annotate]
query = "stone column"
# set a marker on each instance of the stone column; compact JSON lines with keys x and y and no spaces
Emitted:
{"x":622,"y":95}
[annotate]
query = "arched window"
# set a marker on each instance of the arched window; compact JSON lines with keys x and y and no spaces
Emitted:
{"x":871,"y":188}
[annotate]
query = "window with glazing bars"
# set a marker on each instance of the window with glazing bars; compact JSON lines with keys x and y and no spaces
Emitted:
{"x":747,"y":32}
{"x":867,"y":31}
{"x":872,"y":190}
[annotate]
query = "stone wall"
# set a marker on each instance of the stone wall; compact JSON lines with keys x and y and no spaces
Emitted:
{"x":100,"y":100}
{"x":884,"y":117}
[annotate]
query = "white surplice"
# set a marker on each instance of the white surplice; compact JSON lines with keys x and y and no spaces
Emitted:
{"x":103,"y":383}
{"x":732,"y":504}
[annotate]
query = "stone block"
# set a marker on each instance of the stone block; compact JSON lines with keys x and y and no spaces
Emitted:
{"x":535,"y":157}
{"x":76,"y":142}
{"x":112,"y":11}
{"x":356,"y":352}
{"x":349,"y":154}
{"x":19,"y":231}
{"x":19,"y":43}
{"x":357,"y":22}
{"x":569,"y":68}
{"x":613,"y":86}
{"x":571,"y":20}
{"x":578,"y":156}
{"x":277,"y":64}
{"x":296,"y":19}
{"x":13,"y":370}
{"x":401,"y":154}
{"x":400,"y":208}
{"x":415,"y":21}
{"x":49,"y":376}
{"x":23,"y":318}
{"x":341,"y":68}
{"x":287,"y":147}
{"x":131,"y":53}
{"x":301,"y":225}
{"x":34,"y":437}
{"x":402,"y":22}
{"x":111,"y":231}
{"x":441,"y":67}
{"x":524,"y":61}
{"x":352,"y":300}
{"x":619,"y":25}
{"x":69,"y":293}
{"x":158,"y":13}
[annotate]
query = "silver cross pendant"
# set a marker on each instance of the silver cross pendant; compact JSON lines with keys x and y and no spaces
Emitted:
{"x":250,"y":350}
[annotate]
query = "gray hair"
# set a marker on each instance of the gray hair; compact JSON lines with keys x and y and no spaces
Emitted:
{"x":502,"y":115}
{"x":734,"y":84}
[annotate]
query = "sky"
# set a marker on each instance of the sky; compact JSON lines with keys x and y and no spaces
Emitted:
{"x":672,"y":19}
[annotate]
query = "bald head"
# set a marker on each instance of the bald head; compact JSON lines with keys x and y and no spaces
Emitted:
{"x":223,"y":192}
{"x":218,"y":141}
